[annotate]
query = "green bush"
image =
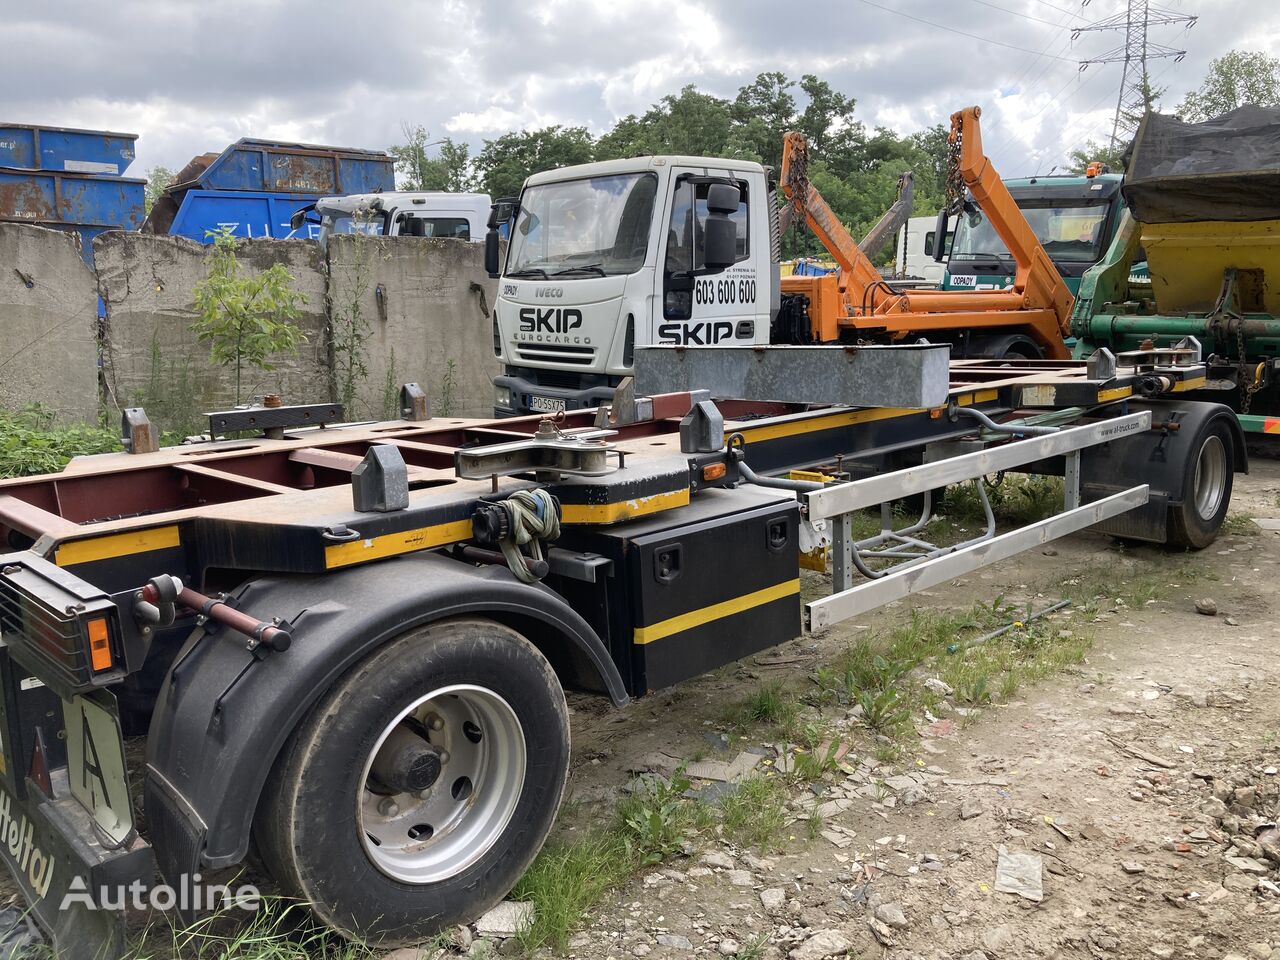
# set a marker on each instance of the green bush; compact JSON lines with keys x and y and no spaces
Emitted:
{"x":32,"y":442}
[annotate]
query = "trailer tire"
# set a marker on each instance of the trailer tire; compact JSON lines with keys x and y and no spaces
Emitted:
{"x":1194,"y":523}
{"x":467,"y":704}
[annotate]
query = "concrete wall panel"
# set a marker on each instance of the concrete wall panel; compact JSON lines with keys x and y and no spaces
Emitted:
{"x":48,"y":323}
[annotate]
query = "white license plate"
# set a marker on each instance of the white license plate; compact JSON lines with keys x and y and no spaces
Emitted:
{"x":546,"y":404}
{"x":95,"y":762}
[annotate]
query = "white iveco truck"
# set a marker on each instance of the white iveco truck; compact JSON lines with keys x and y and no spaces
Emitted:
{"x":605,"y":256}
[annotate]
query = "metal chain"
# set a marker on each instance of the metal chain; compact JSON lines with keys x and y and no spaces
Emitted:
{"x":955,"y":186}
{"x":1247,"y":385}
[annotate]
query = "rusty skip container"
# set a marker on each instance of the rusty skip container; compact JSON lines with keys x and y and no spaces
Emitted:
{"x":31,"y":146}
{"x":254,"y":186}
{"x":275,"y":167}
{"x":68,"y":179}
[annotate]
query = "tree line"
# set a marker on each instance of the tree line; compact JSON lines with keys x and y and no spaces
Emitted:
{"x":854,"y":167}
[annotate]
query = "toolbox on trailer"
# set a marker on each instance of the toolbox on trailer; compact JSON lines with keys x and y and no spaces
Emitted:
{"x":693,"y":589}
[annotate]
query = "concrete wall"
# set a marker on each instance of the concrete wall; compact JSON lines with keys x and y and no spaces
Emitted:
{"x":416,"y":305}
{"x":152,"y":359}
{"x":379,"y":312}
{"x":48,"y":323}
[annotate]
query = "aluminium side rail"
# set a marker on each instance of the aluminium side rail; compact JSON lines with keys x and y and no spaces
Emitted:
{"x":838,"y":503}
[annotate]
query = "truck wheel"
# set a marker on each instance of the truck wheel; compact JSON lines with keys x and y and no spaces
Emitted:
{"x":1194,"y":523}
{"x":422,"y":785}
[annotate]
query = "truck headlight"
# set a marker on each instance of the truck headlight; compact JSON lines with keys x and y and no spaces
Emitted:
{"x":502,"y":397}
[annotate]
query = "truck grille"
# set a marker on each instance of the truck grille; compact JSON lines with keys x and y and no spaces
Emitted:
{"x":43,"y":611}
{"x":556,"y":353}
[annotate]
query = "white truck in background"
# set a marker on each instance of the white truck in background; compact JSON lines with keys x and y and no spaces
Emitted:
{"x":915,"y":250}
{"x":460,"y":216}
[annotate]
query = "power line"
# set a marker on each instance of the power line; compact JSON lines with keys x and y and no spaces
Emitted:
{"x":1054,"y":6}
{"x":1015,"y":13}
{"x":943,"y":26}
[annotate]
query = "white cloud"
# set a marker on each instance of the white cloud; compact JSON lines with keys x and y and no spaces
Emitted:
{"x":189,"y":78}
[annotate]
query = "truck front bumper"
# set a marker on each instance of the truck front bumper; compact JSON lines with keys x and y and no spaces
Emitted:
{"x":526,"y":395}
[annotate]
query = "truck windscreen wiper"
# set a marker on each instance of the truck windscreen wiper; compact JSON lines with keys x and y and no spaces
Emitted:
{"x":595,"y":268}
{"x":529,"y":272}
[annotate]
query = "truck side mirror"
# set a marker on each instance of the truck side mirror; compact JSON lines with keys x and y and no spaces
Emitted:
{"x":500,"y":212}
{"x":720,"y":234}
{"x":491,"y":265}
{"x":940,"y":235}
{"x":299,"y":216}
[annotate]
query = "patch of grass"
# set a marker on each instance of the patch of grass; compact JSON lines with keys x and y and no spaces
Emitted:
{"x":32,"y":441}
{"x":754,"y":949}
{"x":1240,"y":525}
{"x":567,"y":880}
{"x":657,"y":818}
{"x":772,"y":704}
{"x":755,"y":813}
{"x":1017,"y":498}
{"x":280,"y":930}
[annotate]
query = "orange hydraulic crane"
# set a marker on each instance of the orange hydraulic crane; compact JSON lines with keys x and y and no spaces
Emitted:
{"x":859,"y":304}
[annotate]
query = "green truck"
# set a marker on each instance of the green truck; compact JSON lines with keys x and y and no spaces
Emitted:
{"x":1074,"y":217}
{"x":1203,"y":209}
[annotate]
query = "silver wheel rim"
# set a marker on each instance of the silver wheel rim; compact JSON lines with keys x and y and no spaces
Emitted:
{"x":433,"y":835}
{"x":1210,"y":479}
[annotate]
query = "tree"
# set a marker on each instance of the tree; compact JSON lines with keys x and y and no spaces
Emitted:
{"x":692,"y":123}
{"x":450,"y":171}
{"x":765,"y":109}
{"x":827,"y":120}
{"x":245,"y":319}
{"x":1234,"y":79}
{"x":1110,"y":154}
{"x":502,"y":166}
{"x":158,"y":179}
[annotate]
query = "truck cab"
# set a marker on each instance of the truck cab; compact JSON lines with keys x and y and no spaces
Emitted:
{"x":1073,"y":217}
{"x":605,"y":256}
{"x":461,"y":216}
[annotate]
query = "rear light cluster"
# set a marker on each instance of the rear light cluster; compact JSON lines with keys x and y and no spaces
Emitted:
{"x":61,"y":628}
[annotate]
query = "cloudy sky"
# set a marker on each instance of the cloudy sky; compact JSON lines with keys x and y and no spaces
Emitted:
{"x":190,"y":76}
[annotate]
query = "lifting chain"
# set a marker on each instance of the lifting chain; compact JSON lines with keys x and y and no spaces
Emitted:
{"x":1250,"y":381}
{"x":955,"y":185}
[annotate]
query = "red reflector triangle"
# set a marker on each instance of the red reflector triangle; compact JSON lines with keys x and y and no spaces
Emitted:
{"x":39,"y":772}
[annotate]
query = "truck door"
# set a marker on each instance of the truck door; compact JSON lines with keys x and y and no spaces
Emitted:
{"x":699,"y":308}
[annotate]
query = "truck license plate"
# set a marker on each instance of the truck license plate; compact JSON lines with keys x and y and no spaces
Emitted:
{"x":546,"y":404}
{"x":95,"y":762}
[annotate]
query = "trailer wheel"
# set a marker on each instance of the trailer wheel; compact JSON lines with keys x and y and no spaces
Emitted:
{"x":1194,"y":523}
{"x":422,"y":785}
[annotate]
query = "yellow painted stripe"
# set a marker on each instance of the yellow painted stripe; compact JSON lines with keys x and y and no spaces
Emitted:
{"x":1195,"y":383}
{"x":117,"y":545}
{"x":696,"y":618}
{"x":816,"y":424}
{"x":1115,"y":393}
{"x":393,"y":544}
{"x":982,"y":396}
{"x":848,"y":419}
{"x":623,"y":509}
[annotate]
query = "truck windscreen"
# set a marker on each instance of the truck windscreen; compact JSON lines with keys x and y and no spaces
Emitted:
{"x":596,"y":226}
{"x":1068,"y":233}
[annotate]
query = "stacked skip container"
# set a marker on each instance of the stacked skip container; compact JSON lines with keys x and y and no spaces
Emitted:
{"x":71,"y":180}
{"x":254,"y":187}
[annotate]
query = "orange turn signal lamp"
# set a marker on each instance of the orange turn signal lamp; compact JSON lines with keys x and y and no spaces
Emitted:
{"x":99,"y":645}
{"x":714,"y":471}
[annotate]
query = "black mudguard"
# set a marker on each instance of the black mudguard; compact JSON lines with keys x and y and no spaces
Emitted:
{"x":224,"y":714}
{"x":1156,"y":457}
